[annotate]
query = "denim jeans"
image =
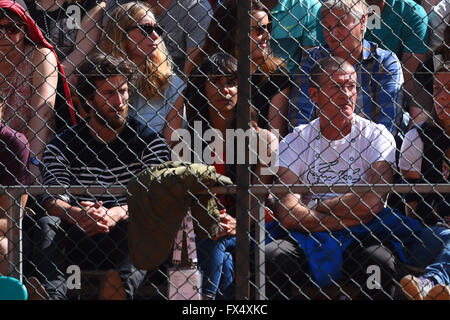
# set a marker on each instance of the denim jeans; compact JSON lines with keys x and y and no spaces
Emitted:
{"x":215,"y":259}
{"x":432,"y":252}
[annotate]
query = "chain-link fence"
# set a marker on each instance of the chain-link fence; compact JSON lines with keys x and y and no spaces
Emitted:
{"x":308,"y":140}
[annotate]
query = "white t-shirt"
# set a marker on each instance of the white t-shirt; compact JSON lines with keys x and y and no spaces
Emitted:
{"x":411,"y":152}
{"x":317,"y":160}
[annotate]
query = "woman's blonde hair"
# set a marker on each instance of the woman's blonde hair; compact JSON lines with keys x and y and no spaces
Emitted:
{"x":153,"y":75}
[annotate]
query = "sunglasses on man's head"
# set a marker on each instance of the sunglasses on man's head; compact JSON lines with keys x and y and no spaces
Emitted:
{"x":147,"y":29}
{"x":11,"y":28}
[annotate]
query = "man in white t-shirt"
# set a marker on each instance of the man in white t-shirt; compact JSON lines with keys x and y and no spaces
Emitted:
{"x":339,"y":147}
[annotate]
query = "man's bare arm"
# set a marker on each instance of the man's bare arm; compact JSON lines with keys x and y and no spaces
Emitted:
{"x":294,"y":215}
{"x":361,"y":205}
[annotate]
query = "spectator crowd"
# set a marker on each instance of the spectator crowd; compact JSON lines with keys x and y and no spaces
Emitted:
{"x":341,"y":92}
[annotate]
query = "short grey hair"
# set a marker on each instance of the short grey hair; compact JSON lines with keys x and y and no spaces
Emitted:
{"x":326,"y":67}
{"x":357,"y":8}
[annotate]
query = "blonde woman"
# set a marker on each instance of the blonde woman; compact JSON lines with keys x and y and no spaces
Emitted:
{"x":132,"y":32}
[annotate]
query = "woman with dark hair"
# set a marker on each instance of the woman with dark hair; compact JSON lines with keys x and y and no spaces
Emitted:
{"x":424,"y":158}
{"x":270,"y":82}
{"x":29,"y":76}
{"x":211,"y":98}
{"x":421,"y":104}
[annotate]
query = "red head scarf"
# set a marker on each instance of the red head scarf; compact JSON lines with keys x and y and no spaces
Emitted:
{"x":35,"y":35}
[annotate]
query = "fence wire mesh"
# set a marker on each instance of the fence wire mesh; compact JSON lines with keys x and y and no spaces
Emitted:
{"x":309,"y":140}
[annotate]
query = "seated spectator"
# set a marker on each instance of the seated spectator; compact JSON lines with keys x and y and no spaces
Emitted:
{"x":424,"y":158}
{"x":90,"y":230}
{"x":270,"y":83}
{"x":296,"y":27}
{"x":29,"y":77}
{"x":211,"y":98}
{"x":337,"y":148}
{"x":379,"y":73}
{"x":14,"y":155}
{"x":403,"y":30}
{"x":438,"y":20}
{"x":132,"y":32}
{"x":73,"y":28}
{"x":423,"y":86}
{"x":184,"y":23}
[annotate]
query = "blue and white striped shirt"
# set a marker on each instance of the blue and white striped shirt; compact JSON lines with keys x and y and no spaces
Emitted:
{"x":380,"y":92}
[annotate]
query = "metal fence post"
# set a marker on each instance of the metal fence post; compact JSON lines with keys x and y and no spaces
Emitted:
{"x":243,"y":173}
{"x":14,"y":235}
{"x":260,"y":248}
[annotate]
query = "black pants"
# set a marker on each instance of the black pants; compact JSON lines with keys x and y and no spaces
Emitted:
{"x":287,"y":268}
{"x":59,"y":244}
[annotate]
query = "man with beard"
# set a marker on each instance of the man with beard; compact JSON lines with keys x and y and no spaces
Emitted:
{"x":90,"y":230}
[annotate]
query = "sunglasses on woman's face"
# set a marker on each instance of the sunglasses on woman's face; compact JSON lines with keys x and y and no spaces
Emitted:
{"x":147,"y":29}
{"x":11,"y":28}
{"x":260,"y":29}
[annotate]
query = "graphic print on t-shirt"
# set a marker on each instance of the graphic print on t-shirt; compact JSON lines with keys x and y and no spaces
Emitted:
{"x":333,"y":172}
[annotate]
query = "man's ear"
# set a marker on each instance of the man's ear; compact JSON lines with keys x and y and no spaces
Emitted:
{"x":313,"y":92}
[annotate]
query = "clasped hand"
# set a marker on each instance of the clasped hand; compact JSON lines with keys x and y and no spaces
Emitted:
{"x":228,"y":223}
{"x":95,"y":218}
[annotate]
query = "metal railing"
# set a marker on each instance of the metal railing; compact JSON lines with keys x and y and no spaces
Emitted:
{"x":243,"y":285}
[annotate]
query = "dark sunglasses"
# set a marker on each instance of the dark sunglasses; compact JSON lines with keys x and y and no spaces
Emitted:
{"x":260,"y":29}
{"x":11,"y":28}
{"x":147,"y":29}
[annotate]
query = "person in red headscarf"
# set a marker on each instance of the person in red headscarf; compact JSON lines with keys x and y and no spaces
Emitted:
{"x":29,"y":76}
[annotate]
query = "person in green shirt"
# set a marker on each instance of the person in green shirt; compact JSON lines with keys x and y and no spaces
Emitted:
{"x":295,"y":27}
{"x":402,"y":30}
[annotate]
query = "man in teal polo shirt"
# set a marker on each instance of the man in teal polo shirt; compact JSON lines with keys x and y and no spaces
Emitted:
{"x":402,"y":30}
{"x":295,"y":27}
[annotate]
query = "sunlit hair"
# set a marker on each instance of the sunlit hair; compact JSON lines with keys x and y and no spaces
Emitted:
{"x":154,"y":74}
{"x":357,"y":8}
{"x":222,"y":36}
